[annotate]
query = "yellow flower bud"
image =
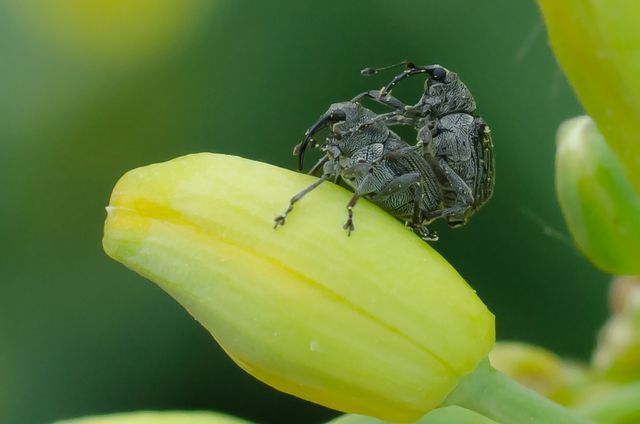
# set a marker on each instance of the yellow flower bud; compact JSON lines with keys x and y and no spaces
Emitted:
{"x":534,"y":367}
{"x":377,"y":323}
{"x":530,"y":366}
{"x":153,"y":417}
{"x":600,"y":205}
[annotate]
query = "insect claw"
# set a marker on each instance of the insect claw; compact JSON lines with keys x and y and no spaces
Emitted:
{"x":349,"y":226}
{"x":278,"y":221}
{"x":431,"y":236}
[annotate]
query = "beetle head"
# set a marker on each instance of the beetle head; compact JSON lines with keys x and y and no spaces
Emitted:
{"x":354,"y":114}
{"x":444,"y":92}
{"x":334,"y":115}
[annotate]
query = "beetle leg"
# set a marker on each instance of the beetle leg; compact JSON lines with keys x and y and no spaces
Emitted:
{"x":387,"y":100}
{"x":396,"y":154}
{"x":280,"y":219}
{"x":457,"y":207}
{"x":411,"y":69}
{"x":361,"y":189}
{"x":318,"y":165}
{"x":401,"y":183}
{"x":417,"y":212}
{"x":388,"y":119}
{"x":425,"y":233}
{"x":348,"y":225}
{"x":393,"y":118}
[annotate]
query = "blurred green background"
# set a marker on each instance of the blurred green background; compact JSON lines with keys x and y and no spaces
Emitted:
{"x":90,"y":89}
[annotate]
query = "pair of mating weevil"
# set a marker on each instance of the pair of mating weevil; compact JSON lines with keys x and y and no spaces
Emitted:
{"x":448,"y":173}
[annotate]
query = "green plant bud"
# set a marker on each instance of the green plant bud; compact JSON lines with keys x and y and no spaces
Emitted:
{"x":446,"y":415}
{"x":153,"y":417}
{"x":540,"y":370}
{"x":531,"y":366}
{"x":601,"y":208}
{"x":617,"y":354}
{"x":622,"y":291}
{"x":377,"y":323}
{"x":597,"y":44}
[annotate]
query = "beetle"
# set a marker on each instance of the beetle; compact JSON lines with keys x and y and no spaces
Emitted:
{"x":453,"y":138}
{"x":373,"y":161}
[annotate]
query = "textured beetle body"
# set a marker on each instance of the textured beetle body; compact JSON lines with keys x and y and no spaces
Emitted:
{"x":377,"y":164}
{"x":388,"y":156}
{"x":461,"y":142}
{"x":455,"y":141}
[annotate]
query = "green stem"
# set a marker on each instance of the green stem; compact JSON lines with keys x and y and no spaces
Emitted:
{"x":496,"y":396}
{"x":621,"y":406}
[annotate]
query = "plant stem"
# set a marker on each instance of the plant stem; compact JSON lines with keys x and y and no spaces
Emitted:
{"x":621,"y":406}
{"x":496,"y":396}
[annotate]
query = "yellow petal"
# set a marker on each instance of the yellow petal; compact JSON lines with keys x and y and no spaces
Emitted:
{"x":376,"y":323}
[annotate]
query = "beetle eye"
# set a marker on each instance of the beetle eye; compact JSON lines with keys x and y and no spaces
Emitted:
{"x":439,"y":74}
{"x":337,"y":115}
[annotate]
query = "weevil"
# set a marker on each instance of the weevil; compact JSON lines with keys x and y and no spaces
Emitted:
{"x":375,"y":162}
{"x":453,"y":138}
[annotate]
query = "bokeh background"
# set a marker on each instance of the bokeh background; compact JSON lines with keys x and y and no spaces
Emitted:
{"x":90,"y":89}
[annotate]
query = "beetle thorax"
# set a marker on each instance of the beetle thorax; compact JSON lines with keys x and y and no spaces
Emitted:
{"x":450,"y":97}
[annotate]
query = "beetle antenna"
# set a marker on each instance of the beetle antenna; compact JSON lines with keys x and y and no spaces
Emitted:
{"x":373,"y":71}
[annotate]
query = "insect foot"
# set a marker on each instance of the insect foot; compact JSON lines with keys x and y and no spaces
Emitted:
{"x":348,"y":225}
{"x":281,"y":219}
{"x":425,"y":233}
